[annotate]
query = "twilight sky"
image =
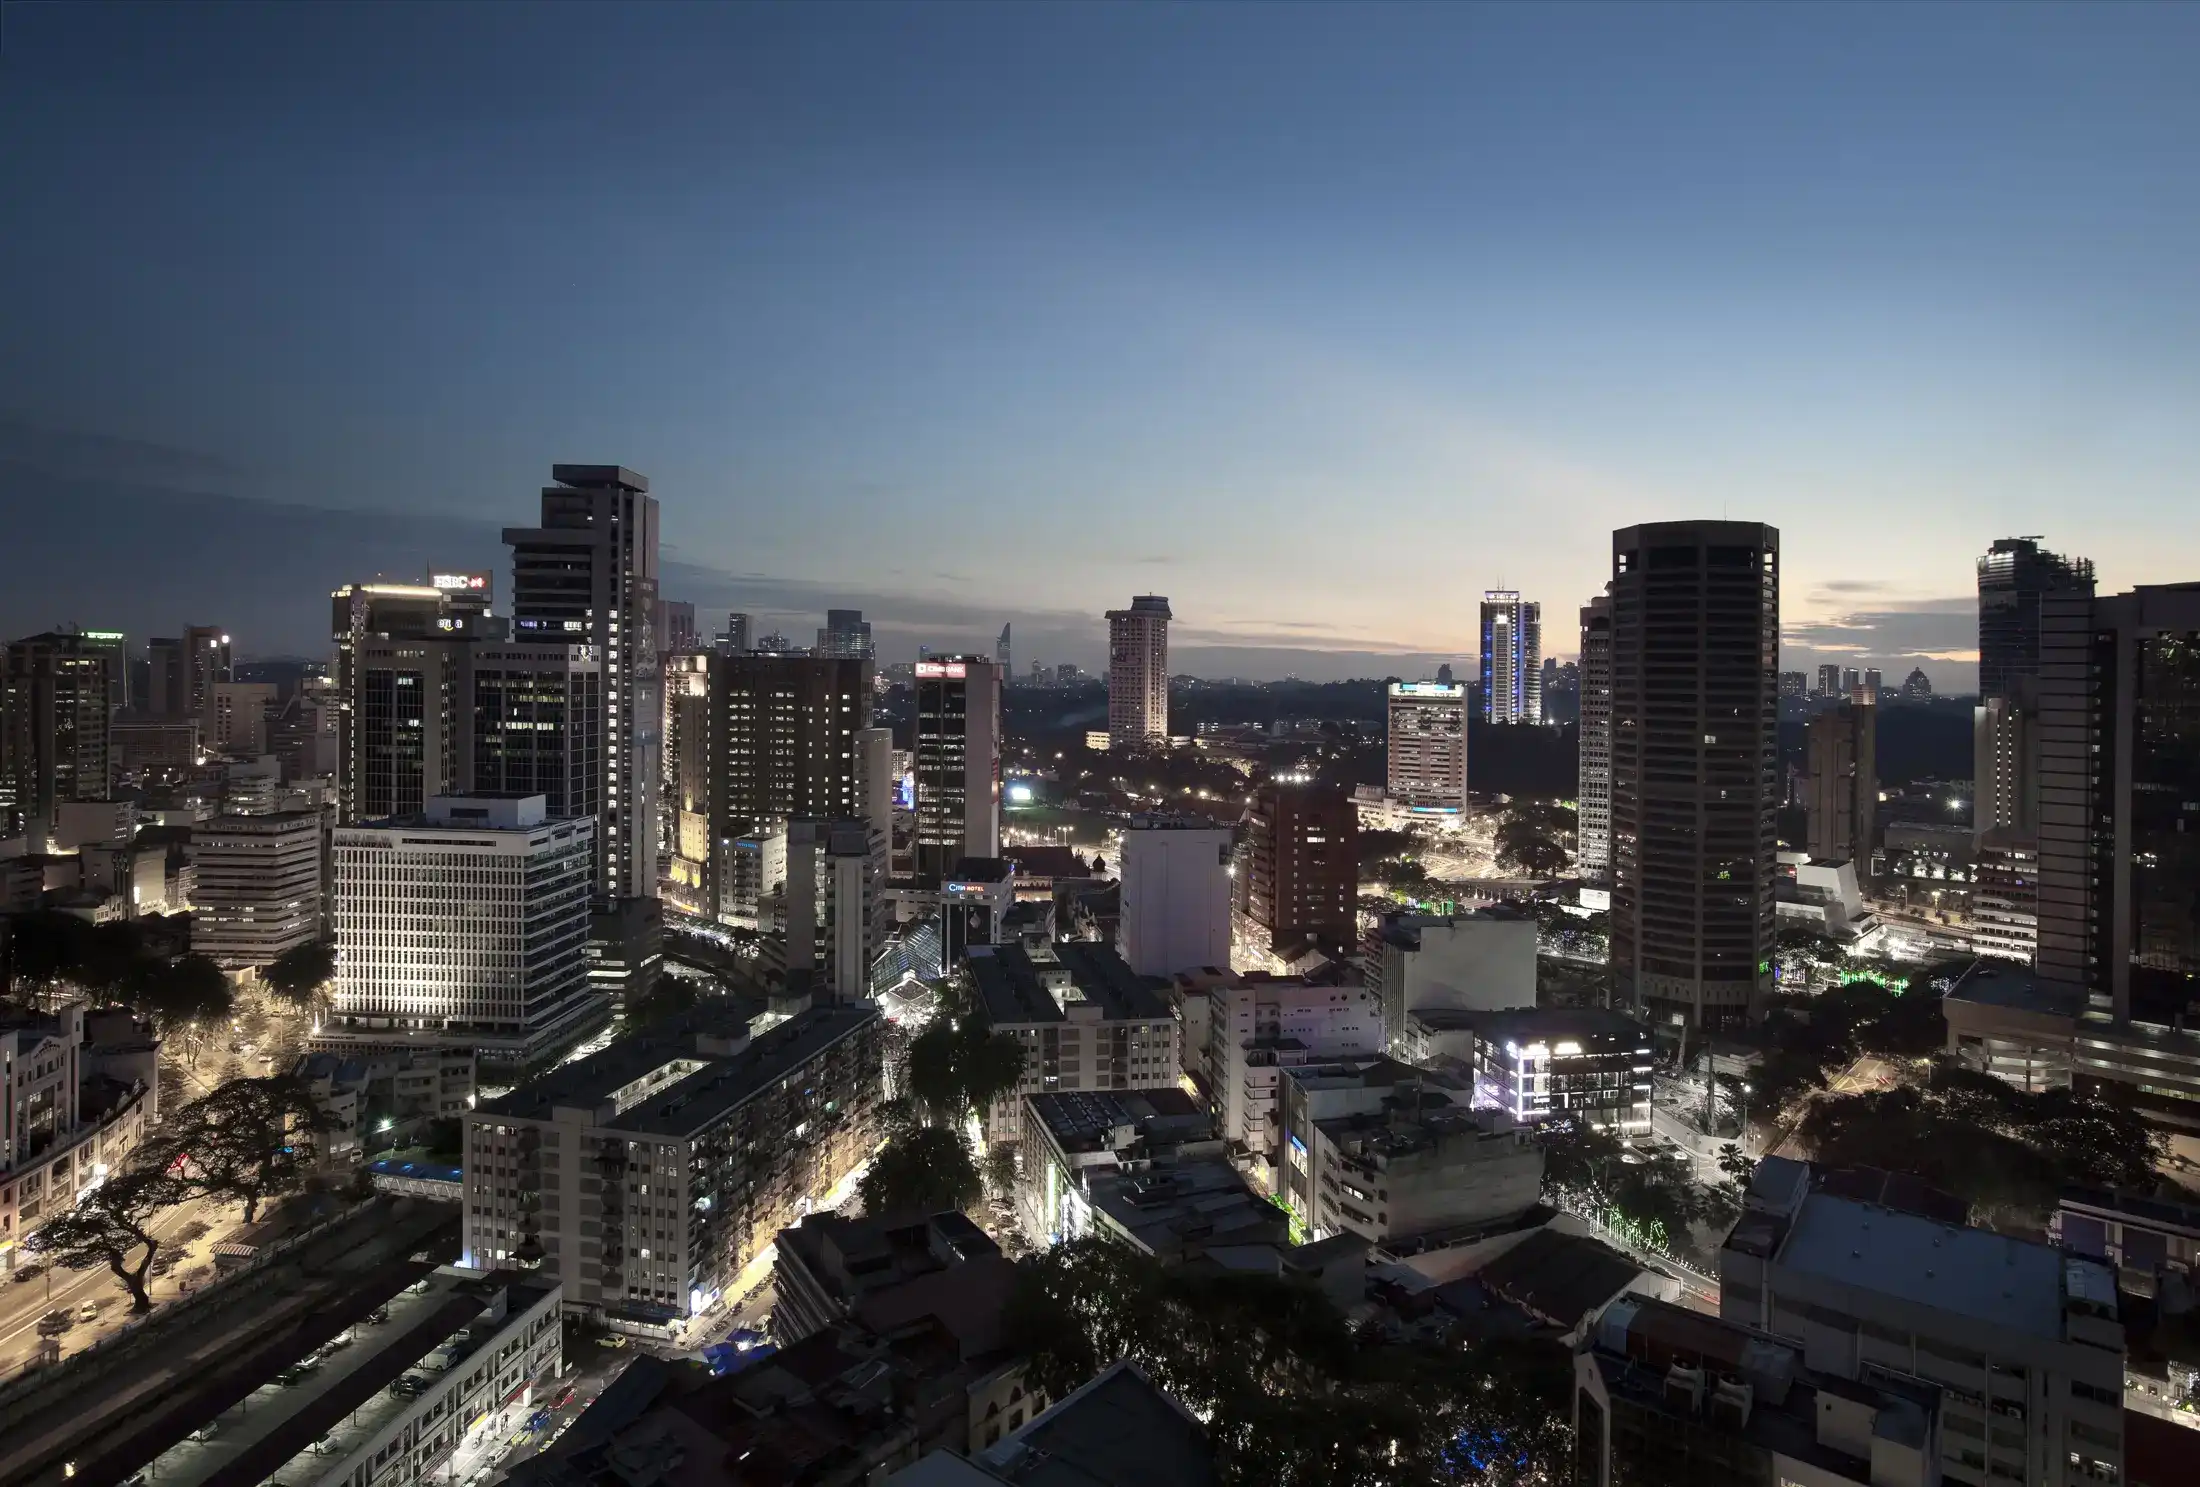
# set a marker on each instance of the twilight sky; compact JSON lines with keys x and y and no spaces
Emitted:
{"x":1319,"y":321}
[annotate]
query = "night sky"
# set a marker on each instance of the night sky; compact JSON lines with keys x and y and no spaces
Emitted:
{"x":1319,"y":321}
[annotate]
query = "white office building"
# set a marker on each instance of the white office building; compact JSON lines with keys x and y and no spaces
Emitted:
{"x":1428,"y":746}
{"x":1176,"y":895}
{"x":1482,"y":961}
{"x":464,"y":927}
{"x":1138,"y":674}
{"x":259,"y":886}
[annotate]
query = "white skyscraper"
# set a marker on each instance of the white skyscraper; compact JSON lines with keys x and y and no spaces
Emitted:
{"x":1176,"y":895}
{"x":1512,"y":658}
{"x":1428,"y":745}
{"x":1594,"y":796}
{"x":463,"y":927}
{"x":1138,"y":674}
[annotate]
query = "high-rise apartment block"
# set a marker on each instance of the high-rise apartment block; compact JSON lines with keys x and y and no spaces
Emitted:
{"x":464,"y":927}
{"x":588,"y":574}
{"x":958,"y":773}
{"x":1138,"y":674}
{"x":1695,"y":768}
{"x":1512,"y":658}
{"x":258,"y":891}
{"x":1085,"y":1019}
{"x":836,"y":877}
{"x":206,"y":661}
{"x":56,"y":738}
{"x":734,"y":639}
{"x":1297,"y":884}
{"x":1842,"y":785}
{"x":1593,"y":799}
{"x":2005,"y":790}
{"x":647,"y":1176}
{"x":1829,"y":682}
{"x":779,"y":739}
{"x":1175,"y":874}
{"x":1428,"y":746}
{"x":1794,"y":686}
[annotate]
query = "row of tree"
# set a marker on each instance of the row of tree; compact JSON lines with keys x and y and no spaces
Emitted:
{"x":955,"y":1069}
{"x":1291,"y":1394}
{"x":248,"y":1141}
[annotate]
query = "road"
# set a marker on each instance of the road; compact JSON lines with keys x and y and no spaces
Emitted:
{"x":22,"y":1303}
{"x":1860,"y":1077}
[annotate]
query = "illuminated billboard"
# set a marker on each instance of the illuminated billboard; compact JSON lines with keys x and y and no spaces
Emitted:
{"x":951,"y":670}
{"x":1452,"y":690}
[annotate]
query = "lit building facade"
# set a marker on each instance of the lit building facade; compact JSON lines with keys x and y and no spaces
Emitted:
{"x":1298,"y":873}
{"x":258,"y":889}
{"x":1512,"y":658}
{"x":56,"y":720}
{"x":1428,"y":745}
{"x":958,"y":773}
{"x":1593,"y":798}
{"x":463,"y":927}
{"x":1138,"y":673}
{"x":1175,"y":874}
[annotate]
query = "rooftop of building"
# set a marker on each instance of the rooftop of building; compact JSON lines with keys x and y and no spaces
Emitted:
{"x":2018,"y":988}
{"x":1186,"y":1205}
{"x":1534,"y":1024}
{"x":729,"y":1067}
{"x":1048,"y":862}
{"x":982,"y":870}
{"x":1973,"y":1273}
{"x":1638,"y":1343}
{"x":864,"y":1254}
{"x":1375,"y":1071}
{"x":1558,"y":1278}
{"x":1402,"y":1129}
{"x":1011,"y":989}
{"x":1086,"y":1120}
{"x":1120,"y":1430}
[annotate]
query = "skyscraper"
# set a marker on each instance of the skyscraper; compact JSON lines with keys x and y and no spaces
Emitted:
{"x":1794,"y":685}
{"x":2005,"y":784}
{"x":783,"y":738}
{"x":958,"y":774}
{"x":1512,"y":658}
{"x":847,"y":635}
{"x":1829,"y":681}
{"x":360,"y":614}
{"x":1297,"y":882}
{"x":735,"y":638}
{"x":1695,"y":768}
{"x":2012,"y":579}
{"x":1843,"y":783}
{"x":56,"y":730}
{"x":1594,"y":794}
{"x":1428,"y":745}
{"x":206,"y":661}
{"x":588,"y":573}
{"x":1138,"y":673}
{"x":1005,"y":656}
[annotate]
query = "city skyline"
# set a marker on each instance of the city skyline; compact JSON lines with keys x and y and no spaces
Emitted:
{"x":1140,"y":331}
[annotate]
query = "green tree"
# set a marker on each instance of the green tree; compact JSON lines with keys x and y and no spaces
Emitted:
{"x":249,"y":1140}
{"x":185,"y":998}
{"x":927,"y":1170}
{"x":958,"y":1064}
{"x":301,"y":976}
{"x":113,"y":1226}
{"x":1530,"y":848}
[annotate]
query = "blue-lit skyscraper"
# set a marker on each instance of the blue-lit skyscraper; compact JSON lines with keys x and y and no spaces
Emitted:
{"x":1512,"y":658}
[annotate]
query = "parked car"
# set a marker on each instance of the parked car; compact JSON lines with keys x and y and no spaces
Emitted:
{"x":28,"y":1272}
{"x":88,"y":1312}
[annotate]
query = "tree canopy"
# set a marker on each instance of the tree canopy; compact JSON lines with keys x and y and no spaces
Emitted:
{"x":1291,"y":1395}
{"x":927,"y":1169}
{"x":247,"y":1141}
{"x":301,"y":974}
{"x":113,"y":1226}
{"x":959,"y":1064}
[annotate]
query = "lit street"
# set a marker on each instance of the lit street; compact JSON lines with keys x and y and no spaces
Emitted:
{"x":24,"y":1302}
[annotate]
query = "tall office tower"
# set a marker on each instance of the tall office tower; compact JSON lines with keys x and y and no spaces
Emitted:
{"x":2005,"y":791}
{"x":674,"y":626}
{"x":1138,"y":674}
{"x":164,"y":679}
{"x":206,"y":661}
{"x":463,"y":927}
{"x":1829,"y":681}
{"x":1851,"y":679}
{"x":683,"y":862}
{"x":784,"y":738}
{"x":958,"y":774}
{"x":114,"y":645}
{"x":2013,"y":578}
{"x":258,"y":891}
{"x":846,"y":635}
{"x":2119,"y":813}
{"x":588,"y":573}
{"x":1298,"y":875}
{"x":532,"y":721}
{"x":1428,"y":746}
{"x":834,"y":886}
{"x":1695,"y":768}
{"x":236,"y":718}
{"x":1873,"y":684}
{"x":361,"y":613}
{"x":734,"y":639}
{"x":1512,"y":658}
{"x":468,"y":596}
{"x":405,"y":730}
{"x":1843,"y":784}
{"x":56,"y":731}
{"x":1593,"y":796}
{"x":1003,"y":655}
{"x":1794,"y":685}
{"x":875,"y":779}
{"x":1176,"y":895}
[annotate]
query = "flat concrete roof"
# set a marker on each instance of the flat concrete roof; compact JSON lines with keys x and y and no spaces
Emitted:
{"x":1973,"y":1273}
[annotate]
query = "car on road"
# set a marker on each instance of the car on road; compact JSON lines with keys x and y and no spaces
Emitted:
{"x":55,"y":1322}
{"x":28,"y":1272}
{"x":204,"y":1432}
{"x":88,"y":1312}
{"x":565,"y":1396}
